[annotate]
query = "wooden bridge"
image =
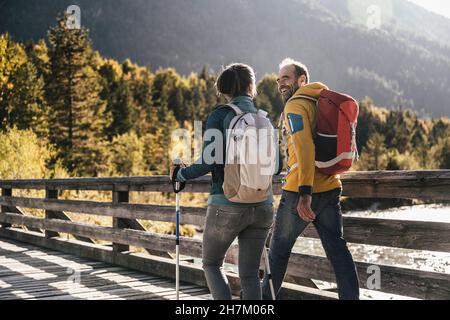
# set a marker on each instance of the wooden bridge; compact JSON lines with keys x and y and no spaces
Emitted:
{"x":39,"y":261}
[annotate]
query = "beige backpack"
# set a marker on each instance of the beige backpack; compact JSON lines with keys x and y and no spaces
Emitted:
{"x":251,"y":157}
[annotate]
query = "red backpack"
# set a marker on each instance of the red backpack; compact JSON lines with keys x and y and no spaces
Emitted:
{"x":335,"y":134}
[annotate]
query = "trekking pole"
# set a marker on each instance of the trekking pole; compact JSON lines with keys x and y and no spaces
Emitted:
{"x":269,"y":274}
{"x":177,"y":241}
{"x":177,"y":189}
{"x":266,"y":259}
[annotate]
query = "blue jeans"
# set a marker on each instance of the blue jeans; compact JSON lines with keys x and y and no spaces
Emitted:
{"x":223,"y":224}
{"x":328,"y":223}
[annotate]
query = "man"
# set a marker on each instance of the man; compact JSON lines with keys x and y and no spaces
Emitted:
{"x":308,"y":195}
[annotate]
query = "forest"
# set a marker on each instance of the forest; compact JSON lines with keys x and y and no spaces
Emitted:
{"x":68,"y":111}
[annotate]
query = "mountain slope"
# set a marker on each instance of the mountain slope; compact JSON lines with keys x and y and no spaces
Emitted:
{"x":399,"y":14}
{"x":395,"y":65}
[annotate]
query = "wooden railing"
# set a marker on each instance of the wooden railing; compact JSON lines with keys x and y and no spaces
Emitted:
{"x":127,"y":231}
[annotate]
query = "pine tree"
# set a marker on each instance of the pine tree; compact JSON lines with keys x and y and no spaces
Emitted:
{"x":370,"y":121}
{"x":374,"y":155}
{"x":140,"y":81}
{"x":159,"y":140}
{"x":268,"y":97}
{"x":399,"y":125}
{"x":398,"y":161}
{"x":127,"y":155}
{"x":38,"y":55}
{"x":28,"y":108}
{"x":440,"y":129}
{"x":12,"y":56}
{"x":167,"y":94}
{"x":77,"y":118}
{"x":117,"y":93}
{"x":444,"y":154}
{"x":194,"y":97}
{"x":22,"y":102}
{"x":212,"y":99}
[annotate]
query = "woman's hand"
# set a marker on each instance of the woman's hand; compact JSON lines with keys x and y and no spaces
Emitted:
{"x":173,"y":172}
{"x":172,"y":169}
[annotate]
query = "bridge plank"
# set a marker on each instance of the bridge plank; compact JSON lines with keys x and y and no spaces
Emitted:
{"x":419,"y":235}
{"x":150,"y":264}
{"x":425,"y":185}
{"x":120,"y":210}
{"x":42,"y":288}
{"x":100,"y":282}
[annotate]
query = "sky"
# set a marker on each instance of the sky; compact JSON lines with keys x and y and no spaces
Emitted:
{"x":438,"y":6}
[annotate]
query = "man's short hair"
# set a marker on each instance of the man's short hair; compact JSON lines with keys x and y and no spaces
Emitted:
{"x":300,"y":68}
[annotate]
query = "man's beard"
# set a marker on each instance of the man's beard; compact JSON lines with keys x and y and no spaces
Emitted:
{"x":289,"y":93}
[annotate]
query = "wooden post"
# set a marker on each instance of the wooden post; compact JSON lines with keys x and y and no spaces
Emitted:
{"x":49,"y":214}
{"x":6,"y":193}
{"x":120,"y":197}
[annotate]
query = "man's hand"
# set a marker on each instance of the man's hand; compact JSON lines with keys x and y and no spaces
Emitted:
{"x":304,"y":208}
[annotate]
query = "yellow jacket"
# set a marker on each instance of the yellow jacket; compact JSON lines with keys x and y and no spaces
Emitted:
{"x":299,"y":121}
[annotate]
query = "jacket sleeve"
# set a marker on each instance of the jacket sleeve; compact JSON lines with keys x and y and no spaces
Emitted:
{"x":201,"y":167}
{"x":299,"y":124}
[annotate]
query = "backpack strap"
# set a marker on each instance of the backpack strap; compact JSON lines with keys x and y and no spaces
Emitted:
{"x":262,"y":113}
{"x":304,"y":96}
{"x":235,"y":108}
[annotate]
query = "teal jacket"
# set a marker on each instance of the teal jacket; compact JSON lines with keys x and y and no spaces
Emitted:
{"x":219,"y":119}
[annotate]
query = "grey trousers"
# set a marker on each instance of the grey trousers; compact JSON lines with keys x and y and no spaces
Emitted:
{"x":223,"y":224}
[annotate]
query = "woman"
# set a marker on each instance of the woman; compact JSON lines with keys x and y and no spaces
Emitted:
{"x":226,"y":220}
